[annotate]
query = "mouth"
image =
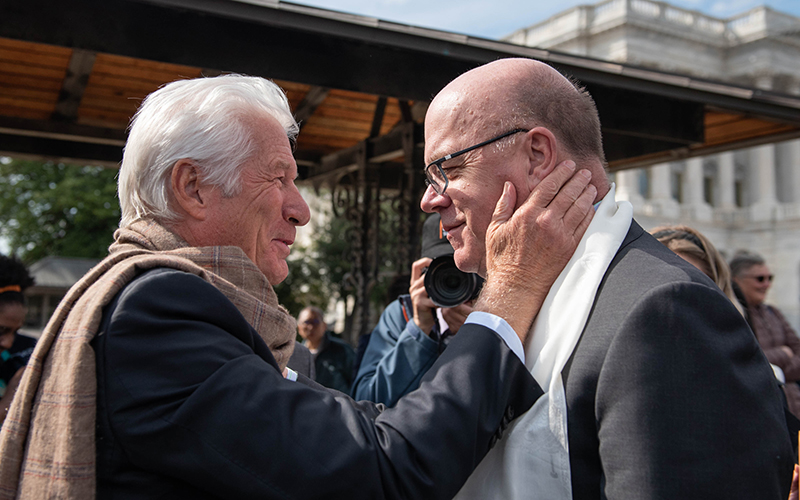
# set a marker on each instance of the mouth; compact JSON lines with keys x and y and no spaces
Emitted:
{"x":285,"y":245}
{"x":451,"y":227}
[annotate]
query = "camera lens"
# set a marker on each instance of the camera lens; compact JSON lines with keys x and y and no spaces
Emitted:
{"x":447,"y":286}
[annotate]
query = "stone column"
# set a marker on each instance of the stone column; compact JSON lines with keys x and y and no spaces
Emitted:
{"x":693,"y":187}
{"x":628,"y":187}
{"x":726,"y":178}
{"x":794,"y":87}
{"x":661,"y":191}
{"x":792,"y":151}
{"x":762,"y":176}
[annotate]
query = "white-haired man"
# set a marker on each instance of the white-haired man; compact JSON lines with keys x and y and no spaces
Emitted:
{"x":654,"y":386}
{"x":160,"y":376}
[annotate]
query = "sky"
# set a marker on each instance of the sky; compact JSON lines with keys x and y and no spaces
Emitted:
{"x":497,"y":18}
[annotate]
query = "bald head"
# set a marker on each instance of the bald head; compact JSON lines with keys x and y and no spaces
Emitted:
{"x":510,"y":121}
{"x":523,"y":93}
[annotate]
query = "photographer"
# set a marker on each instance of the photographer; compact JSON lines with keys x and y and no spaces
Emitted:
{"x":413,"y":331}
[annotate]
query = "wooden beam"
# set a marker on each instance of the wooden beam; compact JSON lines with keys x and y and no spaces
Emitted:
{"x":80,"y":153}
{"x":74,"y":85}
{"x":405,"y":110}
{"x":309,"y":104}
{"x":377,"y":119}
{"x":62,"y":131}
{"x":379,"y":150}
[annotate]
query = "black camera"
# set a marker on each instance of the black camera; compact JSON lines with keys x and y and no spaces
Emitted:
{"x":447,"y":286}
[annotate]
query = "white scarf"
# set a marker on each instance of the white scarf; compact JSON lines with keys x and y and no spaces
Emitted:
{"x":532,"y":459}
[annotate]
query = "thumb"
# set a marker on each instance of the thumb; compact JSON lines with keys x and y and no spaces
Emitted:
{"x":505,"y":205}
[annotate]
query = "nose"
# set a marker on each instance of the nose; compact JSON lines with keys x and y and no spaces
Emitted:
{"x":296,"y":209}
{"x":431,"y":201}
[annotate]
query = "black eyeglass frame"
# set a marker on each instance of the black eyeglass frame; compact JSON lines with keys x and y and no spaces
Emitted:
{"x":429,"y":180}
{"x":761,"y":278}
{"x":681,"y":235}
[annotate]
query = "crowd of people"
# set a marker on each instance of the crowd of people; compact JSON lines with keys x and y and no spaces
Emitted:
{"x":598,"y":360}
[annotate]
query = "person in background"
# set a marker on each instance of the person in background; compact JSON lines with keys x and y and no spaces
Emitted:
{"x":411,"y":332}
{"x":301,"y":361}
{"x":333,"y":358}
{"x":397,"y":287}
{"x":693,"y":247}
{"x":780,"y":343}
{"x":15,"y":349}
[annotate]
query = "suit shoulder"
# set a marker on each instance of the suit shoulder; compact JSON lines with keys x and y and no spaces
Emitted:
{"x":170,"y":293}
{"x":645,"y":263}
{"x":165,"y":278}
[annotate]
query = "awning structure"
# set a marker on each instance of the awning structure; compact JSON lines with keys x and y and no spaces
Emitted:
{"x":73,"y":73}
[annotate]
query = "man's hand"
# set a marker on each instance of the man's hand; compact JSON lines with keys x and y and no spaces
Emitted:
{"x":455,"y":316}
{"x":424,"y":308}
{"x":527,"y":248}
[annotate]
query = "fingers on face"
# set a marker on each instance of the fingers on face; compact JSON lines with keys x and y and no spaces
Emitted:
{"x":579,"y":214}
{"x":544,"y":193}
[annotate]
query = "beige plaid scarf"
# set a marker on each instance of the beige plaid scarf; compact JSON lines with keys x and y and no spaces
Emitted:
{"x":47,"y":443}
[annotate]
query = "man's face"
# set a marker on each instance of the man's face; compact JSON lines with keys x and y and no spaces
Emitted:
{"x":310,"y":326}
{"x":262,"y":218}
{"x":475,"y":182}
{"x":12,"y":317}
{"x":754,"y":284}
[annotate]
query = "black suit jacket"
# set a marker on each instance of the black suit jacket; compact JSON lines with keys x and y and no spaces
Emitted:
{"x":191,"y":405}
{"x":669,"y":395}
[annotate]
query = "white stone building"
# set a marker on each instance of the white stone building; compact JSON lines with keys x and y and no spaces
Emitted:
{"x":746,"y":199}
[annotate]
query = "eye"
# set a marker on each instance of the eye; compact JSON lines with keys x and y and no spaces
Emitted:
{"x":452,"y":167}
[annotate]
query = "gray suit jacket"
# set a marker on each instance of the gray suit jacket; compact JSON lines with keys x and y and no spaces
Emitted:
{"x":302,"y":361}
{"x":669,"y":395}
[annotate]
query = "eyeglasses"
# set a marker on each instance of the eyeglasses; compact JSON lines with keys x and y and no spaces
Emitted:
{"x":434,"y":173}
{"x":312,"y":322}
{"x":680,"y":235}
{"x":760,"y":279}
{"x":7,"y":330}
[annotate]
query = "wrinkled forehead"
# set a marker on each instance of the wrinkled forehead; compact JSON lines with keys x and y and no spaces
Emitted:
{"x":454,"y":119}
{"x":308,"y":314}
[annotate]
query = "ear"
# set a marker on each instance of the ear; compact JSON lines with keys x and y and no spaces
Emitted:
{"x":188,"y":189}
{"x":542,"y":154}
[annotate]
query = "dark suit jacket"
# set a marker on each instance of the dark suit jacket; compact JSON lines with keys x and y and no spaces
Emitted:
{"x":668,"y":393}
{"x":190,"y":404}
{"x":302,"y":361}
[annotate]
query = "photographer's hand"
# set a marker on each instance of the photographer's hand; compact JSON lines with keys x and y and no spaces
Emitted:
{"x":455,"y":316}
{"x":527,"y":248}
{"x":424,"y":308}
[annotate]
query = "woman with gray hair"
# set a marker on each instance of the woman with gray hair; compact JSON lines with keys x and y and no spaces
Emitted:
{"x":779,"y":341}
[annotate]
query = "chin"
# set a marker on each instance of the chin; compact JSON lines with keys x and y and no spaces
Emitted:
{"x":276,"y":274}
{"x":465,"y":263}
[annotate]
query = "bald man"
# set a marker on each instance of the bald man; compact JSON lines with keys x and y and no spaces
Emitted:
{"x":654,"y":386}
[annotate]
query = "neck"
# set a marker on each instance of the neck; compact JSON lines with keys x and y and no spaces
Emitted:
{"x":314,"y":343}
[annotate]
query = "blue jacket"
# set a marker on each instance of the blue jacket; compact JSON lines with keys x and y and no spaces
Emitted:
{"x":397,"y":356}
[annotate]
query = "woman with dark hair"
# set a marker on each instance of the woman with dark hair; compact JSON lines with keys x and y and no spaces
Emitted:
{"x":15,"y":350}
{"x":779,"y":341}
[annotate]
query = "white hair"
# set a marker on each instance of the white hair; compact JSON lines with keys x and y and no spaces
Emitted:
{"x":203,"y":120}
